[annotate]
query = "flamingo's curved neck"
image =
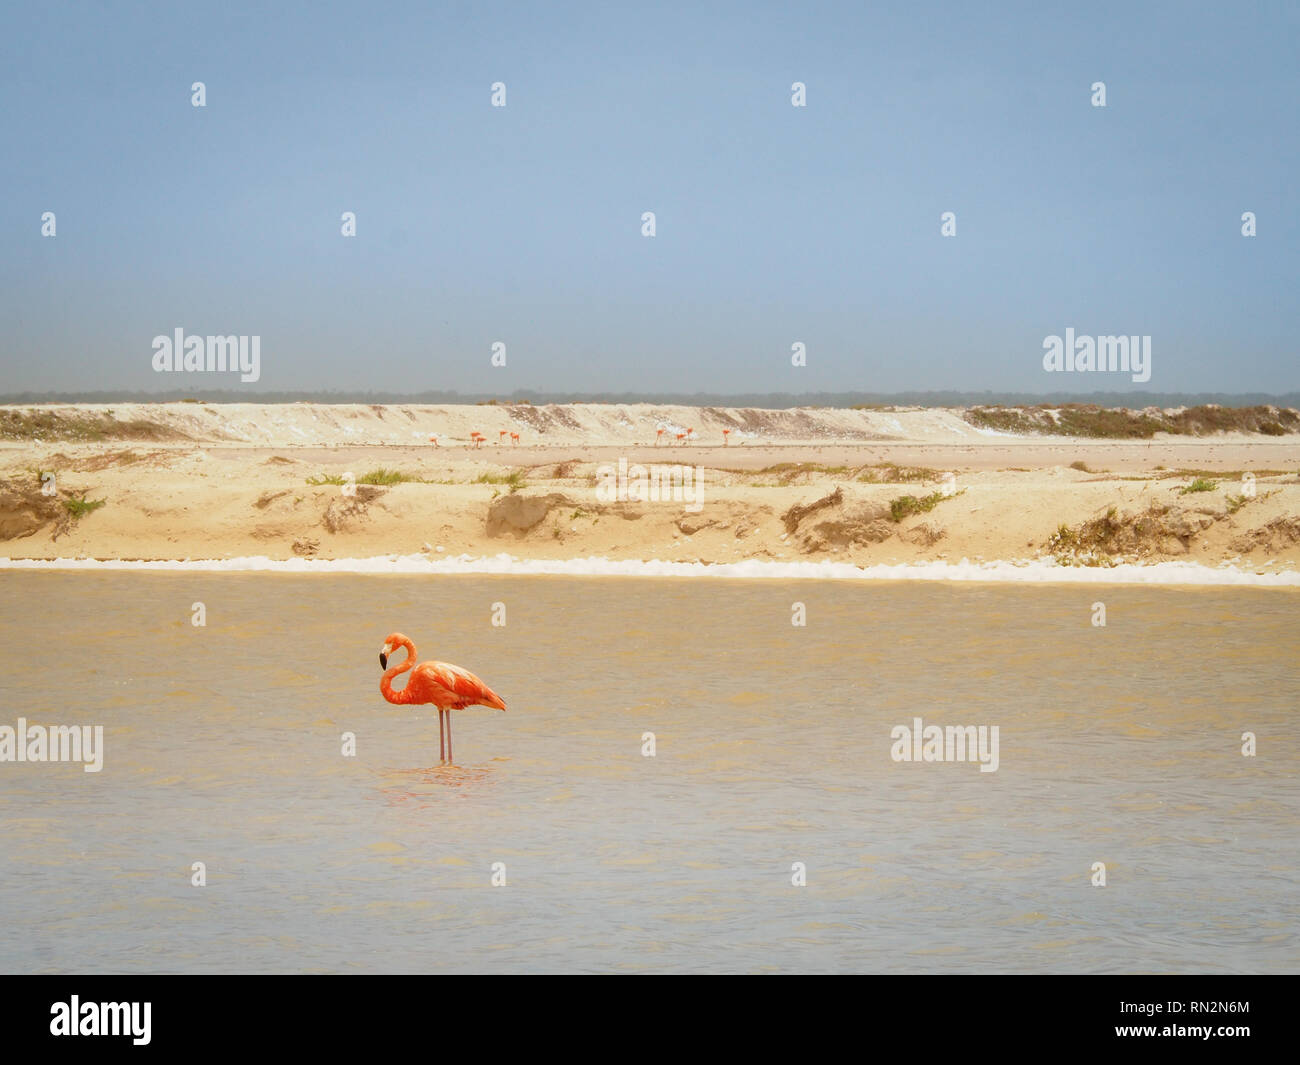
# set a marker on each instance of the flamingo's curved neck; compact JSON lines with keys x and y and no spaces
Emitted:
{"x":395,"y":670}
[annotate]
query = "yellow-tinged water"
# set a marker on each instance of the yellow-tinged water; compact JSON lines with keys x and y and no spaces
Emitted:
{"x":222,"y":745}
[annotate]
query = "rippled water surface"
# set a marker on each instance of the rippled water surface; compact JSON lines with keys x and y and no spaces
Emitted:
{"x":223,"y":744}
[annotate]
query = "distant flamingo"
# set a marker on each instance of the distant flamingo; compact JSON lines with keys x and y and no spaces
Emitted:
{"x":514,"y":438}
{"x":433,"y":439}
{"x":725,"y":434}
{"x":658,"y":434}
{"x":681,"y":438}
{"x":448,"y":687}
{"x":477,"y":437}
{"x":501,"y":436}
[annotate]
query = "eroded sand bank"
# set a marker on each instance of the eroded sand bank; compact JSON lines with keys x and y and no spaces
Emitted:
{"x":868,"y":488}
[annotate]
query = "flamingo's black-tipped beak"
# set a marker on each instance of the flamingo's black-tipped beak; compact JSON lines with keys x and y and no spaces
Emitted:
{"x":383,"y":660}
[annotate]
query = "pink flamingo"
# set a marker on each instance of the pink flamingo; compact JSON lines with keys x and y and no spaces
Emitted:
{"x":448,"y":687}
{"x":725,"y":434}
{"x":477,"y":437}
{"x":514,"y":438}
{"x":433,"y":439}
{"x":681,"y":438}
{"x":658,"y":435}
{"x":501,"y":436}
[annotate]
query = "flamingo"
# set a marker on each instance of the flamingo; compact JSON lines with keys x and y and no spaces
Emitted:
{"x":658,"y":433}
{"x":514,"y":438}
{"x":725,"y":434}
{"x":433,"y":439}
{"x":501,"y":436}
{"x":448,"y":687}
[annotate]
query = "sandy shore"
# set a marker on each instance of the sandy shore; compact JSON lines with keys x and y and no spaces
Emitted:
{"x":193,"y":481}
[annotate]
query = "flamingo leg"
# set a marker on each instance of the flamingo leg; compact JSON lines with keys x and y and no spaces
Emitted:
{"x":449,"y":755}
{"x":442,"y":743}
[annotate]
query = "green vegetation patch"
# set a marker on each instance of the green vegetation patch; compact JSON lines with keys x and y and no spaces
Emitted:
{"x":906,"y":506}
{"x":1088,"y":420}
{"x":80,"y":507}
{"x":380,"y":476}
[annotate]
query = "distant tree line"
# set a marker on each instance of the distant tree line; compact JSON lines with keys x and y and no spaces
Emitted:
{"x":1132,"y":400}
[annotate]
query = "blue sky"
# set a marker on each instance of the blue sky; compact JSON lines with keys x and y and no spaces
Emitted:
{"x":775,"y":224}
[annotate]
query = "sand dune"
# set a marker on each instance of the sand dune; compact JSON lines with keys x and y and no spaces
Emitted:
{"x":588,"y":424}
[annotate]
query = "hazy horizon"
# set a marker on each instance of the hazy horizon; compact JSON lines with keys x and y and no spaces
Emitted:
{"x":770,"y":400}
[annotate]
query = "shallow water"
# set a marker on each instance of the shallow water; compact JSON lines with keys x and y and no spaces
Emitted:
{"x":1118,"y":745}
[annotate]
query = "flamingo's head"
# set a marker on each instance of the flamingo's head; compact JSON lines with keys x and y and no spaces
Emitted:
{"x":394,"y":641}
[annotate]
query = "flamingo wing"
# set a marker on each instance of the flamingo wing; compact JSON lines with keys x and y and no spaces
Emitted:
{"x":455,"y":688}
